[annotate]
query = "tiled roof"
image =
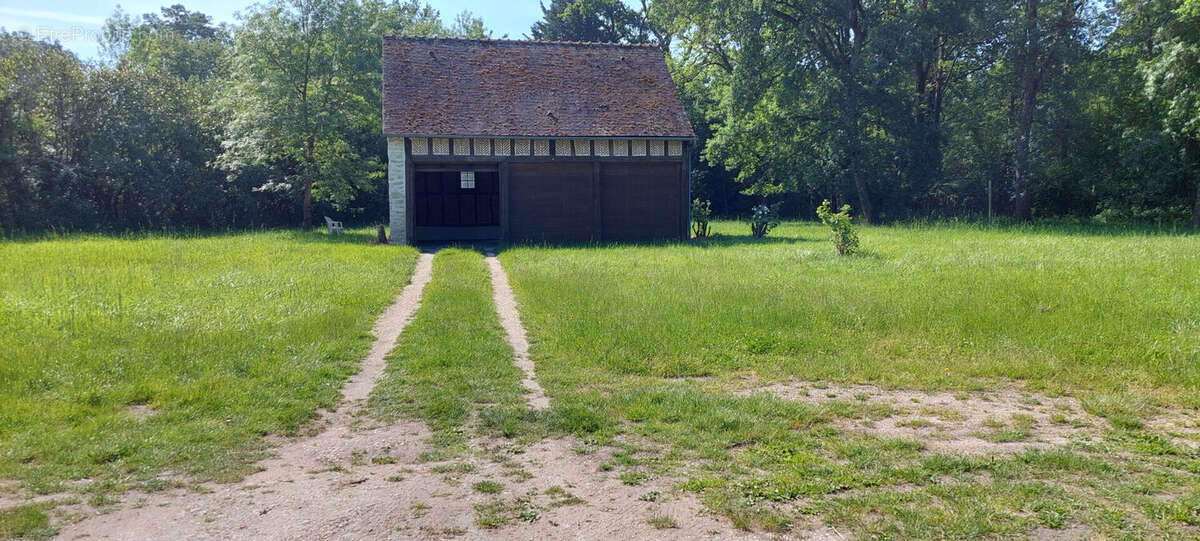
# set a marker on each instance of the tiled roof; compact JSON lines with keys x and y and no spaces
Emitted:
{"x":435,"y":86}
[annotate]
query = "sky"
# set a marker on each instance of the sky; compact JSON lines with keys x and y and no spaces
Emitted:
{"x":77,"y":23}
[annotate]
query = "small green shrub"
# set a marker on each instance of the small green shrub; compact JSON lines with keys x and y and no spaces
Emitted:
{"x":701,"y":214}
{"x":842,"y":233}
{"x":763,"y":218}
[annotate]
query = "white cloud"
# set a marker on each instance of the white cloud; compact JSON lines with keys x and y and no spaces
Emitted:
{"x":55,"y":16}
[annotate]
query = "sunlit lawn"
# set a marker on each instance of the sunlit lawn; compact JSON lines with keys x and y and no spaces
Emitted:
{"x":127,"y":361}
{"x":660,"y":341}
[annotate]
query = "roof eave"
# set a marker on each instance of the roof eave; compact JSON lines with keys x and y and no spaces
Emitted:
{"x":493,"y":136}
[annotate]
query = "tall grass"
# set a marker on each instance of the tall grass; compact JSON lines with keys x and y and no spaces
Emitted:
{"x":122,"y":359}
{"x":1056,"y":309}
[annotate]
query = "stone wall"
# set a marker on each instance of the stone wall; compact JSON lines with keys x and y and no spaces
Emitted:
{"x":397,"y":195}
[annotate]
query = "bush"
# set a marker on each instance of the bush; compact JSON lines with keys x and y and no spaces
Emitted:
{"x":763,"y":219}
{"x":842,"y":233}
{"x":701,"y":213}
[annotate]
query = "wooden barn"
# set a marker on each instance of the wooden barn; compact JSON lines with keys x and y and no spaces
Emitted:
{"x":533,"y":141}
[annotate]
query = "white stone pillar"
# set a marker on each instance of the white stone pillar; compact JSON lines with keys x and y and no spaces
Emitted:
{"x":397,"y":195}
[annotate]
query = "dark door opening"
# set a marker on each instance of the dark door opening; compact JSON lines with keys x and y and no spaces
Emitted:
{"x":456,"y":205}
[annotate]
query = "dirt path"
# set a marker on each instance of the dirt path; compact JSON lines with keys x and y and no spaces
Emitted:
{"x":357,"y":479}
{"x":510,"y":319}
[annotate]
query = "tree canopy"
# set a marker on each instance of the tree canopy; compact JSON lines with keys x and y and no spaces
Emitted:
{"x":906,"y":109}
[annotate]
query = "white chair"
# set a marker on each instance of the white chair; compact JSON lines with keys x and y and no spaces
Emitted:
{"x":333,"y":225}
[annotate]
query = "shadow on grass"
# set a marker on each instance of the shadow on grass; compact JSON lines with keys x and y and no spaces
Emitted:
{"x":316,"y":236}
{"x":1066,"y":228}
{"x":715,"y":241}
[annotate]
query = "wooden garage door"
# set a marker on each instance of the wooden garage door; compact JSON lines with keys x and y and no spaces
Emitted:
{"x":641,"y":201}
{"x":551,"y":202}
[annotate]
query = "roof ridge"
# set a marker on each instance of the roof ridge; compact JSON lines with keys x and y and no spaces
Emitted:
{"x":505,"y":41}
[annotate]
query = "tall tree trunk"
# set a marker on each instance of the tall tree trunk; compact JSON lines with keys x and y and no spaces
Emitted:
{"x":306,"y":220}
{"x":1196,"y":209}
{"x":864,"y":199}
{"x":1022,"y":192}
{"x":310,"y":173}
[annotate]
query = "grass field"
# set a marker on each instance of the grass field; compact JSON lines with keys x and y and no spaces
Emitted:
{"x":139,"y":362}
{"x":149,"y":362}
{"x":656,"y":342}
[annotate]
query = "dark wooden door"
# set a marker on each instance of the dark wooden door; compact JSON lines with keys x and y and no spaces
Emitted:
{"x":552,"y":202}
{"x":446,"y":208}
{"x":641,"y":201}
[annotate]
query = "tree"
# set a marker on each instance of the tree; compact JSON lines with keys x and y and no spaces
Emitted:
{"x":590,"y":20}
{"x":1036,"y":53}
{"x":304,"y":96}
{"x":1173,"y":76}
{"x":175,"y":41}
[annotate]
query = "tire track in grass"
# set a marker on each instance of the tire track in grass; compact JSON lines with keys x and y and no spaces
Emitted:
{"x":510,"y":319}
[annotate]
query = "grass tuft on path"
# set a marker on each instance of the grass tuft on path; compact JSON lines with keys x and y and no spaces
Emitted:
{"x":123,"y":359}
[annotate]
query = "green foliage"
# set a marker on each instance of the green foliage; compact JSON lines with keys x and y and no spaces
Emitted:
{"x":590,"y":20}
{"x":915,"y":109}
{"x":841,"y":230}
{"x":763,"y":218}
{"x":701,"y":214}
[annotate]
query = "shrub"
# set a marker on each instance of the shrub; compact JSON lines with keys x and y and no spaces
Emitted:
{"x":763,"y":219}
{"x":701,"y":213}
{"x":842,"y":233}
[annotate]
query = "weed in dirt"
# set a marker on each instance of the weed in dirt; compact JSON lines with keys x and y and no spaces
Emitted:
{"x":915,"y":422}
{"x":493,"y":514}
{"x":633,"y":477}
{"x":446,"y":532}
{"x":488,"y":487}
{"x":662,"y":522}
{"x":560,"y":497}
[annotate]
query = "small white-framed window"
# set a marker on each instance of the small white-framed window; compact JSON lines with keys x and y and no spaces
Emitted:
{"x":466,"y":180}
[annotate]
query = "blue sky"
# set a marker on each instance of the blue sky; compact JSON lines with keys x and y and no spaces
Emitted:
{"x":77,"y":23}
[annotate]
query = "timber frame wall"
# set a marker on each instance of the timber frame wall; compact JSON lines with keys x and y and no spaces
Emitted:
{"x":459,"y":153}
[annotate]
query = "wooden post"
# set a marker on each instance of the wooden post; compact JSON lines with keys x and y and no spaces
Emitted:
{"x":409,"y":191}
{"x":504,"y":189}
{"x":685,"y":175}
{"x":597,"y":202}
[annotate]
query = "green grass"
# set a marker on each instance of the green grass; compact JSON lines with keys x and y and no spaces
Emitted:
{"x":26,"y":521}
{"x":122,"y":359}
{"x":650,"y":341}
{"x":488,"y":487}
{"x":452,"y":360}
{"x":925,"y":307}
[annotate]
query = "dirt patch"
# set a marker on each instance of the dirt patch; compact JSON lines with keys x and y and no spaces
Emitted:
{"x":975,"y":423}
{"x":373,"y":484}
{"x":510,"y":319}
{"x":141,"y":412}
